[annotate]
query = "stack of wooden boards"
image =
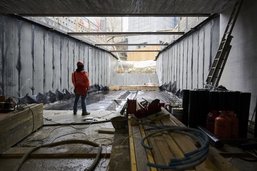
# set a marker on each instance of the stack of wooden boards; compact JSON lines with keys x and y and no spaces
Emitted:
{"x":167,"y":146}
{"x":16,"y":125}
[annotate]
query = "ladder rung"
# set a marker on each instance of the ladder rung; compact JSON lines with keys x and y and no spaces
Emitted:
{"x":219,"y":61}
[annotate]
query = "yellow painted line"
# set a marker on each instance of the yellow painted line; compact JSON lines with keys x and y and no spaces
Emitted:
{"x":132,"y":148}
{"x":149,"y":153}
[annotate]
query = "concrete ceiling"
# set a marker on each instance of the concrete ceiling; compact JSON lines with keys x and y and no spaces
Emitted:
{"x":114,"y":7}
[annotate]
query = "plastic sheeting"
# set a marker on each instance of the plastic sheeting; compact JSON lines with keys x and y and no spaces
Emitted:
{"x":34,"y":59}
{"x":187,"y":62}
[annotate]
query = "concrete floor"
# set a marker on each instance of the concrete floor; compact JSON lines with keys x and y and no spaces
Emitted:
{"x":102,"y":107}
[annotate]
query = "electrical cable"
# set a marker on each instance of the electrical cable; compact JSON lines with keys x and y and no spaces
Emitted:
{"x":192,"y":158}
{"x":83,"y":123}
{"x":109,"y":139}
{"x":68,"y":134}
{"x":91,"y":168}
{"x":50,"y":132}
{"x":69,"y":125}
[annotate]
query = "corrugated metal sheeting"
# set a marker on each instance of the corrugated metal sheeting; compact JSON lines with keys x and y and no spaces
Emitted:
{"x":35,"y":59}
{"x":188,"y":61}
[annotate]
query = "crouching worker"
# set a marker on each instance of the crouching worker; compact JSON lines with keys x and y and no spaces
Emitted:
{"x":81,"y":84}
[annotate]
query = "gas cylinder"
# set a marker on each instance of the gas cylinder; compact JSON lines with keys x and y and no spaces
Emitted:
{"x":222,"y":127}
{"x":234,"y":124}
{"x":212,"y":115}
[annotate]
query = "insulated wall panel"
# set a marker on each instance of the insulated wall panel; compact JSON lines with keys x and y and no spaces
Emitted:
{"x":48,"y":65}
{"x":26,"y":66}
{"x":56,"y":63}
{"x":1,"y":53}
{"x":11,"y":57}
{"x":201,"y":80}
{"x":35,"y":59}
{"x":191,"y":57}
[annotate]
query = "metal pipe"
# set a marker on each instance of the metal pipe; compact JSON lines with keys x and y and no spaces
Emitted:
{"x":213,"y":140}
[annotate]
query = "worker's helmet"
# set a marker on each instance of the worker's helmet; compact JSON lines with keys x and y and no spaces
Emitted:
{"x":80,"y":64}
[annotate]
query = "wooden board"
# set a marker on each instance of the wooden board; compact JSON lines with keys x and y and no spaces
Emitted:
{"x":120,"y":158}
{"x":135,"y":87}
{"x":14,"y":126}
{"x":167,"y":146}
{"x":57,"y":152}
{"x":106,"y":131}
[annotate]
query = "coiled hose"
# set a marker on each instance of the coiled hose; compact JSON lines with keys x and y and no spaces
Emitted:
{"x":191,"y":159}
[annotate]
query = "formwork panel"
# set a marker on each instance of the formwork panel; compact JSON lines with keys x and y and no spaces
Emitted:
{"x":26,"y":59}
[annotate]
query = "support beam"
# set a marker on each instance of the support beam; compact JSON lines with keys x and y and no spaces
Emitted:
{"x":134,"y":50}
{"x":132,"y":44}
{"x":125,"y":33}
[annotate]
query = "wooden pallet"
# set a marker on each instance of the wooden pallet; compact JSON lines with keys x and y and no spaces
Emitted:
{"x":168,"y":146}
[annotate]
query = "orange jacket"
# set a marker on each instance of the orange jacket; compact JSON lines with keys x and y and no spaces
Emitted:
{"x":81,"y":82}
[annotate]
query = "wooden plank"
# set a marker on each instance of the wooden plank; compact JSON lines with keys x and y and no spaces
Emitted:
{"x":135,"y":87}
{"x":187,"y":145}
{"x":66,"y":151}
{"x":174,"y":145}
{"x":219,"y":161}
{"x":213,"y":162}
{"x":14,"y":126}
{"x":120,"y":157}
{"x":132,"y":148}
{"x":141,"y":155}
{"x":150,"y":156}
{"x":106,"y":131}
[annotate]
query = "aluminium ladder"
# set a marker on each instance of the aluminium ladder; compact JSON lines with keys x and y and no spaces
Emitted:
{"x":223,"y":50}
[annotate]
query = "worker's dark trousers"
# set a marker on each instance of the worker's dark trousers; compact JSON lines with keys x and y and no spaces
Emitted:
{"x":83,"y":104}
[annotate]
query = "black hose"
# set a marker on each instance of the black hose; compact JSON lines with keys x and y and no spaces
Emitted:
{"x":91,"y":168}
{"x":191,"y":159}
{"x":96,"y":161}
{"x":80,"y":123}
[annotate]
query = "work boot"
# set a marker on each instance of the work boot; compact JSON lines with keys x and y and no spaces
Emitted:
{"x":85,"y":113}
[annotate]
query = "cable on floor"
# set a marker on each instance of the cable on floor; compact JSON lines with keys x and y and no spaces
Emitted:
{"x":90,"y":168}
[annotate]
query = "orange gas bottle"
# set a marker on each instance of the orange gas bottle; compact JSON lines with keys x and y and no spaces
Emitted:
{"x":222,"y":127}
{"x":212,"y":115}
{"x":234,"y":124}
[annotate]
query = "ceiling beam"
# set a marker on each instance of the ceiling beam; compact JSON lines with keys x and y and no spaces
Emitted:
{"x":114,"y":7}
{"x":134,"y":50}
{"x":125,"y":33}
{"x":131,"y":44}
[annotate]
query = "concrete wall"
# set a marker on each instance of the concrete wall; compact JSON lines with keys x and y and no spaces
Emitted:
{"x":35,"y":59}
{"x":187,"y":61}
{"x":240,"y":72}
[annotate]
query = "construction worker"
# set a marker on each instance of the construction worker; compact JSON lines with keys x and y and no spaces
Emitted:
{"x":81,"y":85}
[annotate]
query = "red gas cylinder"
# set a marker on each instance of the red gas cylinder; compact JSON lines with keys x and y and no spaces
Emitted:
{"x":234,"y":124}
{"x":222,"y":128}
{"x":212,"y":115}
